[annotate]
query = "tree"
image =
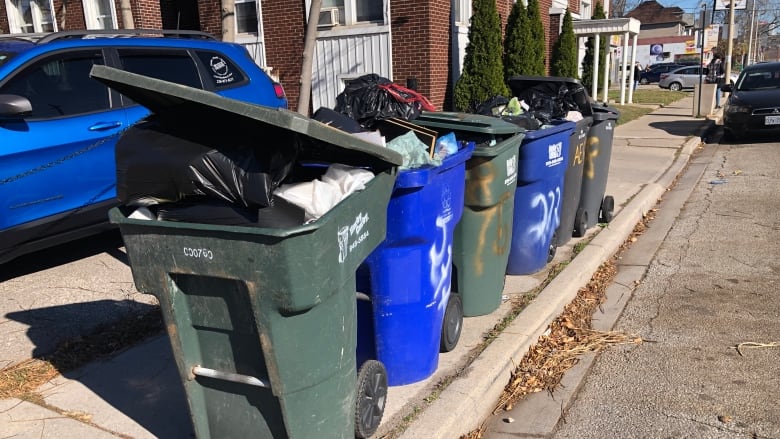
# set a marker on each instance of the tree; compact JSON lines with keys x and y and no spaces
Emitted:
{"x":516,"y":41}
{"x":564,"y":52}
{"x":590,"y":47}
{"x":483,"y":69}
{"x":537,"y":46}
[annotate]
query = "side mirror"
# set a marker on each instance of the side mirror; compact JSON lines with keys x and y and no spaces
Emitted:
{"x":728,"y":88}
{"x":14,"y":106}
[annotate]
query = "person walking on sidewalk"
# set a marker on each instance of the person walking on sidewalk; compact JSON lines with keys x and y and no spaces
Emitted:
{"x":637,"y":73}
{"x":715,"y":76}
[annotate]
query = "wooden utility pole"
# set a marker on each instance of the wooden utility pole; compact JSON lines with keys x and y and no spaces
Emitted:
{"x":228,"y":20}
{"x":126,"y":13}
{"x":308,"y":54}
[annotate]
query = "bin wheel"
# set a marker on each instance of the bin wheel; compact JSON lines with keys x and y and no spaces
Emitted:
{"x":371,"y":398}
{"x":580,"y":223}
{"x":453,"y":323}
{"x":553,"y":248}
{"x":607,"y":209}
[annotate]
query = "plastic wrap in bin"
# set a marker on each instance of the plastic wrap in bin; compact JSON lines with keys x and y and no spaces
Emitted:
{"x":541,"y":167}
{"x":484,"y":233}
{"x":261,"y":320}
{"x":408,"y":276}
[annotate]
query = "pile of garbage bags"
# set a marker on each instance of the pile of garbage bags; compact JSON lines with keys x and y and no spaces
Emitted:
{"x":197,"y":174}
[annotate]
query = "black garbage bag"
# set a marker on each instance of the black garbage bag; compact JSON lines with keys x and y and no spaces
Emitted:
{"x":156,"y":165}
{"x":371,"y":97}
{"x":491,"y":107}
{"x":204,"y":210}
{"x":550,"y":100}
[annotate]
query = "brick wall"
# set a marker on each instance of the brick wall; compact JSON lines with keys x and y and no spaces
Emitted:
{"x":554,"y":33}
{"x":146,"y":14}
{"x":210,"y":12}
{"x":4,"y":19}
{"x":283,"y":25}
{"x":544,"y":10}
{"x":70,"y":15}
{"x":421,"y":46}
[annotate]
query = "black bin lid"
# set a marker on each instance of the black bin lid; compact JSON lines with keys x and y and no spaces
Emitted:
{"x":186,"y":108}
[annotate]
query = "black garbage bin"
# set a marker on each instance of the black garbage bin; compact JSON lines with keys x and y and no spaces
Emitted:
{"x":261,"y":319}
{"x":597,"y":206}
{"x":550,"y":98}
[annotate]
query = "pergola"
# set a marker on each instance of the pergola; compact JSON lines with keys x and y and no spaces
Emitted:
{"x":612,"y":26}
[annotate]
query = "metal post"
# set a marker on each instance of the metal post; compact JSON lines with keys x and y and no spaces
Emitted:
{"x":595,"y":86}
{"x":702,"y":19}
{"x":750,"y":53}
{"x":731,"y":41}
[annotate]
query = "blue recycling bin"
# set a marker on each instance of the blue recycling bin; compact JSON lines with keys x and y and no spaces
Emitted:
{"x":541,"y":166}
{"x":407,"y":278}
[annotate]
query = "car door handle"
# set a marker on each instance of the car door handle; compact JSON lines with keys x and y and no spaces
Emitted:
{"x":102,"y":126}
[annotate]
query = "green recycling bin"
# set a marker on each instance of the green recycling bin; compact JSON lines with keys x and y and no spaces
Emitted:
{"x":483,"y":237}
{"x":262,"y":321}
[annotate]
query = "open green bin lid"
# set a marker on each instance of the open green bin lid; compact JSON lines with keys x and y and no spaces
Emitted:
{"x":187,"y":107}
{"x":484,"y":127}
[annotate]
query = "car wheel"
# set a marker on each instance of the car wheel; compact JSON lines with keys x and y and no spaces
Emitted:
{"x":644,"y":81}
{"x":675,"y":86}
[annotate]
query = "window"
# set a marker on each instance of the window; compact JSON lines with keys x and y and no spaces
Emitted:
{"x":222,"y":71}
{"x":60,"y":85}
{"x":462,"y":12}
{"x":100,"y":14}
{"x":29,"y":16}
{"x":585,"y":13}
{"x":246,"y":16}
{"x":351,"y":12}
{"x":166,"y":64}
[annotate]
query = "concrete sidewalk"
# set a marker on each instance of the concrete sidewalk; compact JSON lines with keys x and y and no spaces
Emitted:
{"x":138,"y":393}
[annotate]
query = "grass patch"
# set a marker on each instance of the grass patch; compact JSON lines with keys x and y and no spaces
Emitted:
{"x":657,"y":96}
{"x":630,"y":112}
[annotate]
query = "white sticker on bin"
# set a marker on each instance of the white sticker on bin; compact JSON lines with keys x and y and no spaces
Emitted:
{"x":349,"y":237}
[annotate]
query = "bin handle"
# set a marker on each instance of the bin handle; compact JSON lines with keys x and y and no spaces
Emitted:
{"x":227,"y":376}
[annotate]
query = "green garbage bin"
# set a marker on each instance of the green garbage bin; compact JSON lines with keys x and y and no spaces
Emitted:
{"x":483,"y":237}
{"x":262,"y":321}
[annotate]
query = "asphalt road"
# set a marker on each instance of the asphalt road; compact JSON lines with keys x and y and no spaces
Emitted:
{"x":713,"y":284}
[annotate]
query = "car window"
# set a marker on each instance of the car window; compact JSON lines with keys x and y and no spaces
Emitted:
{"x":167,"y":64}
{"x":760,"y":80}
{"x":59,"y":85}
{"x":222,"y":71}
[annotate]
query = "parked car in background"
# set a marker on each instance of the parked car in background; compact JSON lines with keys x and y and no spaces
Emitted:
{"x":686,"y":77}
{"x":59,"y":126}
{"x":681,"y":78}
{"x":753,"y":107}
{"x":653,"y":74}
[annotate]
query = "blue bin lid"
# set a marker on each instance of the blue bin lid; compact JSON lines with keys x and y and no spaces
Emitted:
{"x":181,"y":105}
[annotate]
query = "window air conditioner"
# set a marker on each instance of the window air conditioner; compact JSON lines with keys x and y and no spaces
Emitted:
{"x":329,"y":17}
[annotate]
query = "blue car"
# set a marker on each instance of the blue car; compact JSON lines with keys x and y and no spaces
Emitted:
{"x":58,"y":126}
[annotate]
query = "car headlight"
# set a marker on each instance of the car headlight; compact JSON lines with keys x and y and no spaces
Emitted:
{"x":737,"y":109}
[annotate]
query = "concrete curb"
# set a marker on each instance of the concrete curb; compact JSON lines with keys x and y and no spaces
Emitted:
{"x":471,"y":398}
